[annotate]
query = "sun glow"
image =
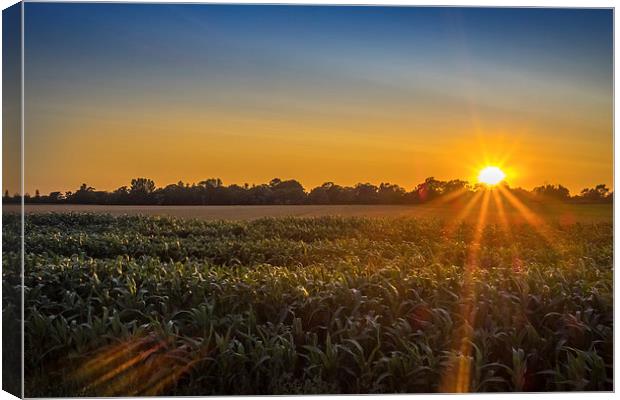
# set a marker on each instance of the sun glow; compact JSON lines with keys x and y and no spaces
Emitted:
{"x":457,"y":377}
{"x":491,"y":175}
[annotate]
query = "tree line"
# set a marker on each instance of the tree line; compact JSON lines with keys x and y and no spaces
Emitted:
{"x":143,"y":191}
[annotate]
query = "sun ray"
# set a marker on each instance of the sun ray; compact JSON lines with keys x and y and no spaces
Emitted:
{"x":530,"y":217}
{"x":448,"y":197}
{"x":457,"y":380}
{"x":451,"y":227}
{"x":137,"y":366}
{"x":501,"y":212}
{"x":429,"y":208}
{"x":123,"y":367}
{"x":499,"y":203}
{"x":482,"y":217}
{"x":169,"y":379}
{"x":135,"y":380}
{"x":106,"y":357}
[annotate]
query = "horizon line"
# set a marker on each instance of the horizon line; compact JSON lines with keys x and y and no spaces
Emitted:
{"x":308,"y":188}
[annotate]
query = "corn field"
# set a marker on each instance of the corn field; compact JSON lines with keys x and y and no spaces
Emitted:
{"x":152,"y":306}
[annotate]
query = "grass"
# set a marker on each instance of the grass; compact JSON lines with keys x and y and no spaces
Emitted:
{"x":152,"y":305}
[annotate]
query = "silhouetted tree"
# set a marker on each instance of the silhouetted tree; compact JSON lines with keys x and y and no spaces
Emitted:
{"x":555,"y":192}
{"x":141,"y":190}
{"x":430,"y":189}
{"x":600,"y":193}
{"x":260,"y":194}
{"x":319,"y":195}
{"x":55,"y":197}
{"x":287,"y":192}
{"x":455,"y":185}
{"x":390,"y":194}
{"x":85,"y":195}
{"x":211,"y":183}
{"x":365,"y":193}
{"x":278,"y":191}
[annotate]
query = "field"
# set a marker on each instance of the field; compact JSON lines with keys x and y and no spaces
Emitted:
{"x":136,"y":305}
{"x":560,"y":212}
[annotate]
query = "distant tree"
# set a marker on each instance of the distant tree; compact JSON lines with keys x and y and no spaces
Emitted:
{"x":55,"y":197}
{"x":430,"y":189}
{"x":318,"y":195}
{"x":120,"y":196}
{"x":123,"y":190}
{"x":171,"y":194}
{"x":366,"y":193}
{"x":235,"y":194}
{"x":261,"y":194}
{"x":211,"y":183}
{"x":287,"y":192}
{"x":141,"y":190}
{"x":85,"y":195}
{"x":600,"y":193}
{"x":390,"y":194}
{"x":555,"y":192}
{"x":142,"y":186}
{"x":520,"y":193}
{"x":344,"y":194}
{"x":211,"y":191}
{"x":7,"y":198}
{"x":455,"y":185}
{"x":339,"y":194}
{"x":278,"y":191}
{"x":327,"y":193}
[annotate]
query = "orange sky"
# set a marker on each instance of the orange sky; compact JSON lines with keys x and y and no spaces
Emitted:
{"x":343,"y":150}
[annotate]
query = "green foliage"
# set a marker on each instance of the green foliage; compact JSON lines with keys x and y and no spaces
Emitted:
{"x":322,"y":305}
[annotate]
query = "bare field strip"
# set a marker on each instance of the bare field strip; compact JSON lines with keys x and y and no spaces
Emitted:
{"x":563,"y":213}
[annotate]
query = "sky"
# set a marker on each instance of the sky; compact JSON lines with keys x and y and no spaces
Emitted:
{"x":315,"y":93}
{"x":11,"y":100}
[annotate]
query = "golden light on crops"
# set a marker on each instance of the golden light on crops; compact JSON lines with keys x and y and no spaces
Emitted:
{"x":491,"y":175}
{"x":456,"y":377}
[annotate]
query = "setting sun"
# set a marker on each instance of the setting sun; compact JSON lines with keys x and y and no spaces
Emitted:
{"x":491,"y":175}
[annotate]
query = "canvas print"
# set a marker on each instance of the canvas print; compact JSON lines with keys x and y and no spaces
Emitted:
{"x":306,"y":199}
